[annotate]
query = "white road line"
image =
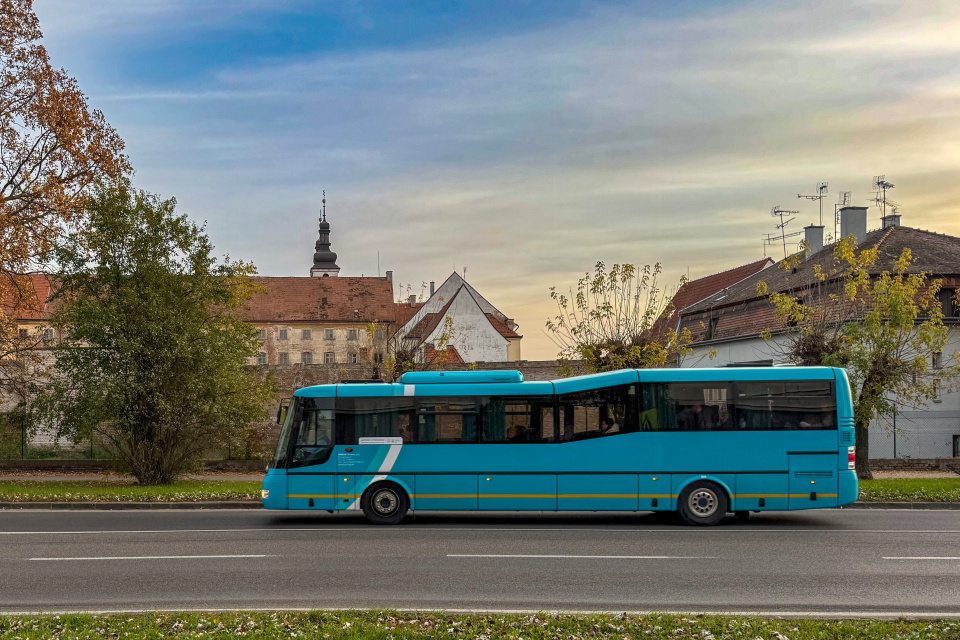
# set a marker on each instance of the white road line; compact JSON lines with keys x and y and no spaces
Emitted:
{"x":480,"y":528}
{"x":506,"y":555}
{"x":921,"y":557}
{"x":151,"y":557}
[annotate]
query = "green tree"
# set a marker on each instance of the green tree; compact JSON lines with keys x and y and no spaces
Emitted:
{"x":885,"y":327}
{"x":616,"y":319}
{"x":154,"y":358}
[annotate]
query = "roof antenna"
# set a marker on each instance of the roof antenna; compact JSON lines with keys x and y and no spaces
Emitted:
{"x":821,"y":190}
{"x":777,"y":211}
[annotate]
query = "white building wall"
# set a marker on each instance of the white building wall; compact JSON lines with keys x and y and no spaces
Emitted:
{"x":473,"y":336}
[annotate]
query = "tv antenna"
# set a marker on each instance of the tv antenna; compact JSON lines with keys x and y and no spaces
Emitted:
{"x":778,"y":212}
{"x":880,"y":187}
{"x":821,"y":190}
{"x":844,"y":200}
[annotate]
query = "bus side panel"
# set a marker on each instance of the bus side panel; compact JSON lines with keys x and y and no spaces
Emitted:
{"x":727,"y":481}
{"x":597,"y":492}
{"x":446,"y":492}
{"x":304,"y":487}
{"x":849,"y":489}
{"x":275,"y":483}
{"x":518,"y":492}
{"x":655,"y":488}
{"x":754,"y":487}
{"x":813,"y":480}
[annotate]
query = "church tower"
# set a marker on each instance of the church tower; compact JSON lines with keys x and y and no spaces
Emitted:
{"x":324,"y":260}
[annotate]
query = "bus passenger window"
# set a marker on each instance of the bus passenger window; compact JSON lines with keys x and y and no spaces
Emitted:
{"x":517,"y":419}
{"x":447,"y":420}
{"x":374,"y":418}
{"x":598,"y":412}
{"x":786,"y":406}
{"x":685,"y":406}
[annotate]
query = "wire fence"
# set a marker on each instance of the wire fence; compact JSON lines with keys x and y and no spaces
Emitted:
{"x":916,"y":434}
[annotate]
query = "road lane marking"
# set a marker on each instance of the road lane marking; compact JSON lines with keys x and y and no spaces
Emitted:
{"x":921,"y":557}
{"x":737,"y":530}
{"x":507,"y":555}
{"x":154,"y":557}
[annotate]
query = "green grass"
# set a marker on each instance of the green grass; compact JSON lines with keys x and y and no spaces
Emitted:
{"x":106,"y":491}
{"x":911,"y":490}
{"x":387,"y":624}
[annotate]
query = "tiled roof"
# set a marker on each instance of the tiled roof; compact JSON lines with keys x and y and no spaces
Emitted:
{"x":30,"y":302}
{"x":404,"y":311}
{"x":311,"y":299}
{"x":419,"y":330}
{"x":501,"y":327}
{"x":739,"y":311}
{"x":453,"y":356}
{"x":696,"y":290}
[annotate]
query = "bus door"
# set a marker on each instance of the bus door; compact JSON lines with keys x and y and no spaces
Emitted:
{"x":311,"y":474}
{"x":813,"y":479}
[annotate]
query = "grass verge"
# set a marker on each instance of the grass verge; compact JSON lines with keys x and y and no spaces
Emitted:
{"x":910,"y":490}
{"x":105,"y":491}
{"x":387,"y":624}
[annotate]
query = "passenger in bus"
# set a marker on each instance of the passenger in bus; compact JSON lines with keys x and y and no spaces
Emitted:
{"x":608,"y":426}
{"x":690,"y":418}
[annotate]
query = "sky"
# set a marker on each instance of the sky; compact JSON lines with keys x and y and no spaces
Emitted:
{"x":521,"y":140}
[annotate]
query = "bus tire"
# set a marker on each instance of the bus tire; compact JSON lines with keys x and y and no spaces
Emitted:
{"x":703,"y":503}
{"x":385,"y":503}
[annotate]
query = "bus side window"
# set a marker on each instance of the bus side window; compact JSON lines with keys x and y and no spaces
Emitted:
{"x":685,"y":406}
{"x":372,"y":418}
{"x":598,"y":412}
{"x":447,"y":420}
{"x":517,"y":419}
{"x":783,"y":406}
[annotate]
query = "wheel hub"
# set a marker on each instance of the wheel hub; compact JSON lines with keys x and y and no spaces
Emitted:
{"x":385,"y":502}
{"x":703,"y":503}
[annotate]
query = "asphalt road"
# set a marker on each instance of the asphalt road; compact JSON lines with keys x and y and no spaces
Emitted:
{"x":860,"y":562}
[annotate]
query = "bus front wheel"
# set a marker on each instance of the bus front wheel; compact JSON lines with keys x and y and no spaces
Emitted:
{"x":703,"y":504}
{"x":385,"y":503}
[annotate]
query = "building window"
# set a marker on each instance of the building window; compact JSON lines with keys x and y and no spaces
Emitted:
{"x":949,"y":302}
{"x":48,"y":334}
{"x":936,"y":390}
{"x":328,"y":334}
{"x":261,"y":358}
{"x":378,"y":358}
{"x":306,"y":357}
{"x":263,"y":334}
{"x":283,"y":358}
{"x":937,"y":360}
{"x":328,"y":358}
{"x":323,"y":301}
{"x":378,"y":334}
{"x":24,"y":333}
{"x":711,"y":329}
{"x":352,"y":334}
{"x":282,"y":335}
{"x":306,"y":335}
{"x":353,"y":358}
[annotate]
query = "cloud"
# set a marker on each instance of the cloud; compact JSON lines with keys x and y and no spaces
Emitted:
{"x":527,"y":157}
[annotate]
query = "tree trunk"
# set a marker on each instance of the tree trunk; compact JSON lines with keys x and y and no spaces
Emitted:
{"x":861,"y":432}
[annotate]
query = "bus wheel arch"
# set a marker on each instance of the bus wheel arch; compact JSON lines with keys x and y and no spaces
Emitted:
{"x":703,"y":502}
{"x":385,"y":502}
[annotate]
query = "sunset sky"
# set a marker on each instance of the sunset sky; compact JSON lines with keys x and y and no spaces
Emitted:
{"x":522,"y":140}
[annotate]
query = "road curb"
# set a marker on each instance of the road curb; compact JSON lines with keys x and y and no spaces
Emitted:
{"x":108,"y":506}
{"x":903,"y":505}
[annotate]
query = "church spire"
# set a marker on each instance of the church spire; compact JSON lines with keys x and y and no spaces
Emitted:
{"x":324,"y":260}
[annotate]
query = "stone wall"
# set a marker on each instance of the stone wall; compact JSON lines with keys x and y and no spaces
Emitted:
{"x":915,"y":464}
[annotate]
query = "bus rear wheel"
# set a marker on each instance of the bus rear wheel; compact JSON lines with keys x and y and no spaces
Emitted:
{"x":385,"y":503}
{"x":703,"y":504}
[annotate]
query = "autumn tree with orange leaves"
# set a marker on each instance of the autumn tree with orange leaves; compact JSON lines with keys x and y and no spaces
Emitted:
{"x":53,"y":147}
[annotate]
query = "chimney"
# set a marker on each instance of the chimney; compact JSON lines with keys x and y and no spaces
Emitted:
{"x":853,"y":221}
{"x":813,"y":237}
{"x":431,"y":288}
{"x":892,"y":220}
{"x":412,"y":300}
{"x":390,"y":277}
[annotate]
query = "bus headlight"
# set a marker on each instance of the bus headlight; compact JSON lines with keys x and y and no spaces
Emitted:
{"x":264,"y":493}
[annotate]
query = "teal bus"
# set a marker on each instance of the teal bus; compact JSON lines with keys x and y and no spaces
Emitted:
{"x":701,"y":442}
